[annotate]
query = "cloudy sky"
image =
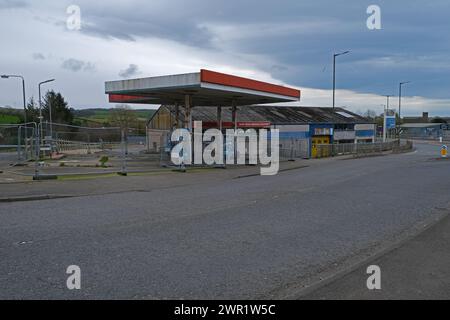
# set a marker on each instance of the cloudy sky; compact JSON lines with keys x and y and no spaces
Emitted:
{"x":287,"y":42}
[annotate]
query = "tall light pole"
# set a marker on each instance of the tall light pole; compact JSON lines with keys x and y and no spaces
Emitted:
{"x":334,"y":72}
{"x":6,"y":76}
{"x":40,"y":105}
{"x":387,"y":104}
{"x":400,"y":99}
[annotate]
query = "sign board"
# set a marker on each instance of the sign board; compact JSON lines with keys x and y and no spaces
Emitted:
{"x":390,"y":122}
{"x":240,"y":124}
{"x":444,"y":151}
{"x":323,"y":131}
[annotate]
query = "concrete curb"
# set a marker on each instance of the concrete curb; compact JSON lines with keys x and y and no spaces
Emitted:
{"x":45,"y":177}
{"x":34,"y":197}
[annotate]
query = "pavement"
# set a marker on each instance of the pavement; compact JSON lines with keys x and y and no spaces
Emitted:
{"x":417,"y":269}
{"x":219,"y":234}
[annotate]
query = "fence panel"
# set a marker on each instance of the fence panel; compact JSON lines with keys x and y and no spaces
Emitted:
{"x":17,"y":142}
{"x":361,"y":149}
{"x":294,"y":148}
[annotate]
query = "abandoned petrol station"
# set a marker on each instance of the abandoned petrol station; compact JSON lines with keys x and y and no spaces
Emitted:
{"x":225,"y":101}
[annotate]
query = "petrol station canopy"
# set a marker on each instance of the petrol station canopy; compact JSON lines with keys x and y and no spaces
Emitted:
{"x":204,"y":88}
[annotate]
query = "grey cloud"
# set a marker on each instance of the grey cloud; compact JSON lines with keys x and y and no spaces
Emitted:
{"x":12,"y":4}
{"x":77,"y":65}
{"x":88,"y":66}
{"x":38,"y":56}
{"x":291,"y":40}
{"x":132,"y":70}
{"x":297,"y":37}
{"x":104,"y":32}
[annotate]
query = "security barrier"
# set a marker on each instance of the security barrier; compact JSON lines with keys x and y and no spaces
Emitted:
{"x":362,"y":149}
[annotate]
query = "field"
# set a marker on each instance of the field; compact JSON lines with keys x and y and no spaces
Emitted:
{"x":6,"y":119}
{"x":103,"y":115}
{"x":85,"y":117}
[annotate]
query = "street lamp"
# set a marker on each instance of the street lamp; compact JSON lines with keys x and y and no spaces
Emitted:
{"x":6,"y":76}
{"x":400,"y":99}
{"x":334,"y":72}
{"x":40,"y":106}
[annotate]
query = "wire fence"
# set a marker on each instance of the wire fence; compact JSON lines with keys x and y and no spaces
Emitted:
{"x":289,"y":149}
{"x":77,"y":140}
{"x":70,"y":144}
{"x":426,"y":135}
{"x":63,"y":148}
{"x":18,"y":139}
{"x":362,"y":149}
{"x":293,"y":148}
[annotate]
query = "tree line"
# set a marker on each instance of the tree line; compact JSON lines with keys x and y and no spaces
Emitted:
{"x":121,"y":116}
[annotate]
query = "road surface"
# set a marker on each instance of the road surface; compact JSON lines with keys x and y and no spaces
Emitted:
{"x":254,"y":237}
{"x":417,"y":269}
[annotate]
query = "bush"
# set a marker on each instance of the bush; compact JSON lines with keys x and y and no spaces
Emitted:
{"x":103,"y":160}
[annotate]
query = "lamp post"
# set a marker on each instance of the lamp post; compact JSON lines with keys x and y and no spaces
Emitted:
{"x":400,"y":99}
{"x":40,"y":106}
{"x":6,"y":76}
{"x":334,"y":72}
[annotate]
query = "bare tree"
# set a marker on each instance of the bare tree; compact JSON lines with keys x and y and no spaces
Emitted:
{"x":124,"y":117}
{"x":370,"y":114}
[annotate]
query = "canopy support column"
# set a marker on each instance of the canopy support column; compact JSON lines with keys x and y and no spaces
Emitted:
{"x":187,"y":113}
{"x":219,"y":118}
{"x":234,"y":114}
{"x":177,"y":116}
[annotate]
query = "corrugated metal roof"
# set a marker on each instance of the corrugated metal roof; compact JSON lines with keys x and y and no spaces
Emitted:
{"x":278,"y":114}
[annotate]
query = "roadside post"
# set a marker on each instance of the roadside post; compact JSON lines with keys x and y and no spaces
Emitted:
{"x":19,"y":144}
{"x":123,"y":172}
{"x":37,"y":140}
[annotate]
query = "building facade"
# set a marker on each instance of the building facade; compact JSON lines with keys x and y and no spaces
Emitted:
{"x":301,"y":129}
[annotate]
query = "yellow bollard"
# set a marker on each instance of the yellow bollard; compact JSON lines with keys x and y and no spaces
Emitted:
{"x":444,"y":151}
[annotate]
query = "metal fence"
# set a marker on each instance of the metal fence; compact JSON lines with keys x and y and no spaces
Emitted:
{"x":361,"y":149}
{"x":427,"y":135}
{"x":67,"y":149}
{"x":17,"y":141}
{"x":289,"y":149}
{"x":70,"y":144}
{"x":294,"y":148}
{"x":77,"y":140}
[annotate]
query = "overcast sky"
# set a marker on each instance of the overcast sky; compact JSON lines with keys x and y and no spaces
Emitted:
{"x":285,"y":42}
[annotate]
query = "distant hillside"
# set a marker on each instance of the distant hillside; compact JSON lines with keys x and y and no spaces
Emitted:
{"x":102,"y":115}
{"x":10,"y":115}
{"x":89,"y":117}
{"x":9,"y":119}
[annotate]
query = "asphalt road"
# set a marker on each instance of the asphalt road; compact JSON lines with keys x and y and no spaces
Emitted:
{"x":255,"y":237}
{"x":417,"y":269}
